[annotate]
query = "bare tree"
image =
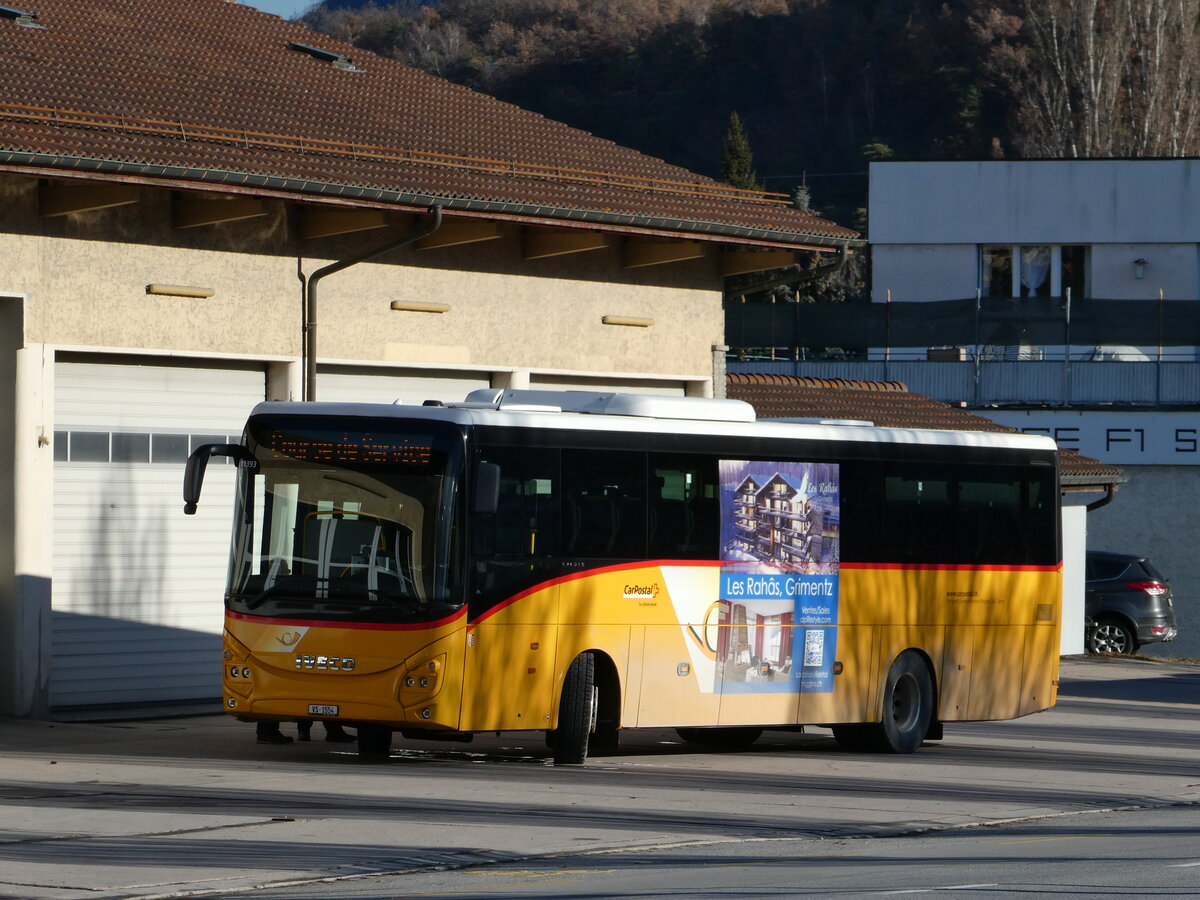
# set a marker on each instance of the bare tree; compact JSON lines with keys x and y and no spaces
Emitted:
{"x":1099,"y":78}
{"x":1162,"y":77}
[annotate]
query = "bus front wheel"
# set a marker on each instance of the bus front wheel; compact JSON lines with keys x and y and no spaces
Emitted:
{"x":374,"y":742}
{"x":576,"y":712}
{"x":907,"y":711}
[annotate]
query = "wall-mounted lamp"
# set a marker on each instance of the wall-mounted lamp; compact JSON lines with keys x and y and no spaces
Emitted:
{"x":417,"y":306}
{"x":632,"y":321}
{"x":179,"y":290}
{"x":1139,"y":267}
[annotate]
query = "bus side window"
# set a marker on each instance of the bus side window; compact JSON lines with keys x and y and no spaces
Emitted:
{"x":918,"y":515}
{"x":526,"y":521}
{"x":683,"y":507}
{"x":604,"y":504}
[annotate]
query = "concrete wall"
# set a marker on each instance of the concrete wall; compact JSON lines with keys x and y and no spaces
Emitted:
{"x":927,"y":221}
{"x":1036,"y":202}
{"x":85,"y":276}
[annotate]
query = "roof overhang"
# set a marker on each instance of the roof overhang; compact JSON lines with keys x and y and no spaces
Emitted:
{"x":195,"y":178}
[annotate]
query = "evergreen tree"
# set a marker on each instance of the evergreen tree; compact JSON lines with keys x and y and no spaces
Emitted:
{"x":737,"y":162}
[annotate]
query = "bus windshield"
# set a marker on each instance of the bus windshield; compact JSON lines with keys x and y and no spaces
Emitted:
{"x":350,"y":520}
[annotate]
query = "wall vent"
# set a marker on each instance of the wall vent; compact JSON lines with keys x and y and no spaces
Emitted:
{"x":20,"y":16}
{"x":339,"y":60}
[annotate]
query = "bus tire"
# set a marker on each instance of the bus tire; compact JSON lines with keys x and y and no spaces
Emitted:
{"x":907,"y":712}
{"x":576,"y":712}
{"x":374,"y":742}
{"x":857,"y":738}
{"x":727,"y":738}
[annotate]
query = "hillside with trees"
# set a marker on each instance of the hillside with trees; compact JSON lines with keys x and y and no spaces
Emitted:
{"x":818,"y":88}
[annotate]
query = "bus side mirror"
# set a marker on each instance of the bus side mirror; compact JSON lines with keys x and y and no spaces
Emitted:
{"x":193,"y":475}
{"x":487,"y":488}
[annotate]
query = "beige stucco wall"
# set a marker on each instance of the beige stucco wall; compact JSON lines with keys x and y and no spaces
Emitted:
{"x":85,"y":276}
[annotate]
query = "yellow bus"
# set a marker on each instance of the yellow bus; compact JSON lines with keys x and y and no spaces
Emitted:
{"x":580,"y":563}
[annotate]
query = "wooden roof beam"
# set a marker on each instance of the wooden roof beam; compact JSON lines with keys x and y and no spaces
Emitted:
{"x":57,"y":198}
{"x":190,"y":211}
{"x":559,"y":242}
{"x":325,"y":221}
{"x":460,"y":231}
{"x":740,"y":262}
{"x":656,"y":253}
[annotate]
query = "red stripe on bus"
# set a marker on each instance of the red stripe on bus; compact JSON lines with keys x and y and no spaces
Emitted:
{"x":359,"y":626}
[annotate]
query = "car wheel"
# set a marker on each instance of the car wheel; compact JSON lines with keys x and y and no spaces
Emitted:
{"x":1112,"y":636}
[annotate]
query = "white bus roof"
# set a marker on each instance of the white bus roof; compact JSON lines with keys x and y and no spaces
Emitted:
{"x":648,"y":414}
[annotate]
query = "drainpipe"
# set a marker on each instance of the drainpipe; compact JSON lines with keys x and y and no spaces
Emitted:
{"x":1110,"y":491}
{"x":310,"y":295}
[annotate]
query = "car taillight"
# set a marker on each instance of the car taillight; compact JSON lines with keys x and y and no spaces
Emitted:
{"x":1153,"y":588}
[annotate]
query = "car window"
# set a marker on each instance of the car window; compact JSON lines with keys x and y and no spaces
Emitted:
{"x":1152,"y":572}
{"x":1104,"y":569}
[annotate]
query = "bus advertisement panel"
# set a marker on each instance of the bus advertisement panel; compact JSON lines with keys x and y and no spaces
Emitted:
{"x":779,"y":576}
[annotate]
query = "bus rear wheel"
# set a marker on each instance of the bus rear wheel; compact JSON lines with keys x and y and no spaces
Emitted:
{"x":576,"y":712}
{"x":907,"y":712}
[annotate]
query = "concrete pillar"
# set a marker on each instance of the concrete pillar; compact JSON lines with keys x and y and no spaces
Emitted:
{"x":516,"y":380}
{"x":1074,"y":527}
{"x":285,"y":380}
{"x":26,"y":521}
{"x":718,"y":364}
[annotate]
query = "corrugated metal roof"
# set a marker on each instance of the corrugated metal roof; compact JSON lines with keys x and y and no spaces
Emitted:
{"x":209,"y":86}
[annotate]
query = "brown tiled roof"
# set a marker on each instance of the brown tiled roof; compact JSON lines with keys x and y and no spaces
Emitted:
{"x":211,"y":92}
{"x":887,"y":404}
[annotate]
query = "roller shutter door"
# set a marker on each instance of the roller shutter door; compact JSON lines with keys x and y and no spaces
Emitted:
{"x":138,"y":586}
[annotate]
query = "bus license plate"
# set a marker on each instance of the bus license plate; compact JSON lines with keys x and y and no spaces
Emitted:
{"x":321,"y":709}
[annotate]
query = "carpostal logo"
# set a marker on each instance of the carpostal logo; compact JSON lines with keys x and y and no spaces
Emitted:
{"x":641,"y":591}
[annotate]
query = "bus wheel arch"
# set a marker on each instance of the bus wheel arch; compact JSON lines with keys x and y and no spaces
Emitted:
{"x":589,"y":709}
{"x":908,"y":710}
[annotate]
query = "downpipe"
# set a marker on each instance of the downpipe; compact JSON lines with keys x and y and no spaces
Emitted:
{"x":309,"y":288}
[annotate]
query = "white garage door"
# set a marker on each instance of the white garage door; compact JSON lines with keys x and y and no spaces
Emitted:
{"x":138,"y":586}
{"x":405,"y":386}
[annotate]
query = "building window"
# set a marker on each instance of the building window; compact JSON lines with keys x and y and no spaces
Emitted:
{"x":1032,"y":270}
{"x":995,"y":276}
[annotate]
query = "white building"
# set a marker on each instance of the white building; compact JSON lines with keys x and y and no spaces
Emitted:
{"x":1107,"y":230}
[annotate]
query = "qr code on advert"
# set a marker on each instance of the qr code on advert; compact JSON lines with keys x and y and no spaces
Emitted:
{"x":814,"y":647}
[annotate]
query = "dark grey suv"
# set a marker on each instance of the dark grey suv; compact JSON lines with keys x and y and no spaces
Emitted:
{"x":1127,"y":603}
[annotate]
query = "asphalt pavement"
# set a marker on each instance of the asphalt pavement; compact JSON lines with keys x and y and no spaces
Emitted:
{"x":192,"y":806}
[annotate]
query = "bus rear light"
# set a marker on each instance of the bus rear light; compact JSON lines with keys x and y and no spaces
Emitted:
{"x":231,"y":702}
{"x":427,"y":713}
